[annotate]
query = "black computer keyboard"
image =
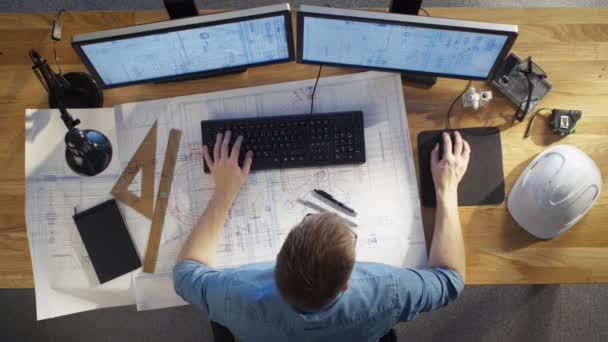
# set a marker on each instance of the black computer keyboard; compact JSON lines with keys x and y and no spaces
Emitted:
{"x":290,"y":141}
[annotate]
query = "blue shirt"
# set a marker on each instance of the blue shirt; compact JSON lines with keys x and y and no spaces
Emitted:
{"x":246,"y":300}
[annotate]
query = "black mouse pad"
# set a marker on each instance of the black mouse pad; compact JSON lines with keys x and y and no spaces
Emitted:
{"x":107,"y":241}
{"x":484,"y":181}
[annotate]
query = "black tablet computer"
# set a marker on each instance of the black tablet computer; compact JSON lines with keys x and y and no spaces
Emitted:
{"x":107,"y":241}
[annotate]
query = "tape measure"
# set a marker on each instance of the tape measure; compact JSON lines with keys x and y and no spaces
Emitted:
{"x":563,"y":122}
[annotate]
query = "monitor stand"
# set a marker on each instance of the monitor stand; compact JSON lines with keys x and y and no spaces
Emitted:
{"x":178,"y":9}
{"x":412,"y":7}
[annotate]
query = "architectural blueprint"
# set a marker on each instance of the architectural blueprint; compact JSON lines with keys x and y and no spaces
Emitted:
{"x":192,"y":50}
{"x":401,"y":47}
{"x":383,"y":190}
{"x":64,"y":277}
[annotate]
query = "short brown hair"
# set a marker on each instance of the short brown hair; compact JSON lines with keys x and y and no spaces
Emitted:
{"x":315,"y":261}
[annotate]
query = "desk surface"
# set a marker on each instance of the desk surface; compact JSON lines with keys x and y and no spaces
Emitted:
{"x":570,"y":44}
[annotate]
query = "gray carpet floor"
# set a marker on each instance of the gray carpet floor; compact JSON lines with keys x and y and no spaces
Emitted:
{"x":550,"y":313}
{"x":482,"y":313}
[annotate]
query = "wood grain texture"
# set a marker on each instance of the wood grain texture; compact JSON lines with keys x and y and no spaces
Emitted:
{"x":570,"y":44}
{"x":162,"y":201}
{"x":144,"y":161}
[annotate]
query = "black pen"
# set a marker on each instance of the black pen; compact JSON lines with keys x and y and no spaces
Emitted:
{"x":331,"y":200}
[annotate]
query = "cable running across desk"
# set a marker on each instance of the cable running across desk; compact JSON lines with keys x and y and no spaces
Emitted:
{"x":314,"y":89}
{"x":57,"y":18}
{"x":453,"y":103}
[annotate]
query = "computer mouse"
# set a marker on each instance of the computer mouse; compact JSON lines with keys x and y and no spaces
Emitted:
{"x":450,"y":132}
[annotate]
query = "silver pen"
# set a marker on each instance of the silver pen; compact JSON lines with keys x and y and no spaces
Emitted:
{"x":323,"y":210}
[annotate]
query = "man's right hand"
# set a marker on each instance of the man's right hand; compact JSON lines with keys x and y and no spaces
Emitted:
{"x":203,"y":242}
{"x":224,"y":166}
{"x":449,"y":170}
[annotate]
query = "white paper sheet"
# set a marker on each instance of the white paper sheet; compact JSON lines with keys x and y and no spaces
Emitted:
{"x":383,"y":190}
{"x":155,"y":291}
{"x":64,"y":278}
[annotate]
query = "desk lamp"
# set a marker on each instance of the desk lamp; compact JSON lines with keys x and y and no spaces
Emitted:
{"x":88,"y":152}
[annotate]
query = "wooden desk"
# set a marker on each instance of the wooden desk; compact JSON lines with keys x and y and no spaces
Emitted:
{"x":570,"y":44}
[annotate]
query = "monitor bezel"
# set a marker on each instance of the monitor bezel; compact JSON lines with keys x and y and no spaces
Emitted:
{"x":79,"y":41}
{"x":387,"y":18}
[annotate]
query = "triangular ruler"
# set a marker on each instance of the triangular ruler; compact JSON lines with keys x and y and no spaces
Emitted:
{"x":143,"y":159}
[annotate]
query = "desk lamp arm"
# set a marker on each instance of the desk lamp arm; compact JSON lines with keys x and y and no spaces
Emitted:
{"x":54,"y":84}
{"x":88,"y":152}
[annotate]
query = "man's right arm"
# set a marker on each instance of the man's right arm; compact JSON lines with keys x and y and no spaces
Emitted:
{"x":197,"y":284}
{"x":194,"y":278}
{"x":447,"y":247}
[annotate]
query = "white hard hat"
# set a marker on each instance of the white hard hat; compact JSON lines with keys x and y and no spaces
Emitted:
{"x":555,"y":191}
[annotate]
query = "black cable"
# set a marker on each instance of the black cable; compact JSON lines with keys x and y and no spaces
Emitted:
{"x":425,"y":11}
{"x":57,"y":18}
{"x":57,"y":58}
{"x":519,"y":115}
{"x":453,"y":103}
{"x":528,"y":72}
{"x":314,"y":89}
{"x":532,"y":119}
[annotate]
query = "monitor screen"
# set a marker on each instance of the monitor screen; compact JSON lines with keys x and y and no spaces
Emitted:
{"x":160,"y":54}
{"x":400,"y":46}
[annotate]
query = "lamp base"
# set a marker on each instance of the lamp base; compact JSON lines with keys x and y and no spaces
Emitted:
{"x":84,"y":92}
{"x":91,"y":157}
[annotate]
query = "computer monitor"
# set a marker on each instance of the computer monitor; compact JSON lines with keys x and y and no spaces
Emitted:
{"x":405,"y":43}
{"x":189,"y":47}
